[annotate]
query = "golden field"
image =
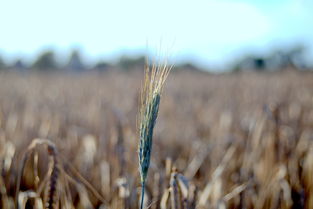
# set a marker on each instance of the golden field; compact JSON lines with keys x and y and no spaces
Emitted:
{"x":221,"y":141}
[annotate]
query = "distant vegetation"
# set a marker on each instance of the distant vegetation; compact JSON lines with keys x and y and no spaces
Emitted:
{"x":2,"y":64}
{"x":45,"y":61}
{"x":295,"y":57}
{"x":127,"y":63}
{"x":75,"y":62}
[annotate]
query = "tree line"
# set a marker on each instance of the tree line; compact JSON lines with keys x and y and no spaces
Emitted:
{"x":47,"y":62}
{"x":293,"y":58}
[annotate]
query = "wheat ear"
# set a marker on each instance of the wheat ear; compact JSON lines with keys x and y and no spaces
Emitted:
{"x":154,"y":79}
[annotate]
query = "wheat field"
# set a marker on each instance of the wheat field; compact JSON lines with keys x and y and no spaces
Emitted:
{"x":221,"y":141}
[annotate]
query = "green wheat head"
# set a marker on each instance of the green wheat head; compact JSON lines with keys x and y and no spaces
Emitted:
{"x":154,"y":79}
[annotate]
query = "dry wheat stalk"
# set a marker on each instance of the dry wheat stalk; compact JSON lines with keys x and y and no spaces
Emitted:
{"x":29,"y":150}
{"x":175,"y":198}
{"x":51,"y":199}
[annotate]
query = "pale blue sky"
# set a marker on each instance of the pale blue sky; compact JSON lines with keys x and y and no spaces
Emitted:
{"x":211,"y":31}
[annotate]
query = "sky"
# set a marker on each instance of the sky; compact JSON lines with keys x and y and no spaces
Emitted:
{"x":210,"y":32}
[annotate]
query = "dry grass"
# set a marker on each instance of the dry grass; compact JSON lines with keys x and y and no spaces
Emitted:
{"x":222,"y":141}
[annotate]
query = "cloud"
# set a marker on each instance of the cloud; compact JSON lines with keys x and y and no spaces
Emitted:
{"x":293,"y":20}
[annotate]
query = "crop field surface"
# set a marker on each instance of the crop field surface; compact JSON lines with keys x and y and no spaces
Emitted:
{"x":240,"y":140}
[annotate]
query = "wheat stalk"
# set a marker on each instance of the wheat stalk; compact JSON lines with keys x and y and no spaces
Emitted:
{"x":154,"y":79}
{"x":51,"y":199}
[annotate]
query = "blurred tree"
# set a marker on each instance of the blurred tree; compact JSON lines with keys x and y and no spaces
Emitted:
{"x":280,"y":59}
{"x":188,"y":66}
{"x":19,"y":65}
{"x":127,"y":63}
{"x":45,"y":61}
{"x":102,"y":66}
{"x":295,"y":57}
{"x":75,"y":62}
{"x":259,"y":63}
{"x":250,"y":62}
{"x":2,"y":64}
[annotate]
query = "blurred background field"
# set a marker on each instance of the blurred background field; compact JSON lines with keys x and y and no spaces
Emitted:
{"x":241,"y":140}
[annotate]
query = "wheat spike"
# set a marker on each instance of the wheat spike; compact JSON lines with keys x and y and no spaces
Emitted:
{"x":154,"y":79}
